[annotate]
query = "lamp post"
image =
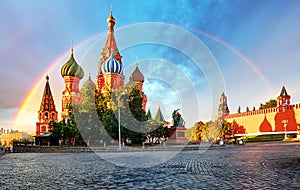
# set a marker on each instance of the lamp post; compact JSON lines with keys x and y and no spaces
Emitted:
{"x":119,"y":119}
{"x":119,"y":125}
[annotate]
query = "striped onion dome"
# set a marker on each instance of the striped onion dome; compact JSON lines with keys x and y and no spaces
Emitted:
{"x":137,"y":75}
{"x":111,"y":65}
{"x":71,"y":68}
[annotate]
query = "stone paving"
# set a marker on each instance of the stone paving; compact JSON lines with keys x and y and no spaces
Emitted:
{"x":253,"y":166}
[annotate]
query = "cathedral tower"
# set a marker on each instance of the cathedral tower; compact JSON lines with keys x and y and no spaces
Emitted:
{"x":47,"y":112}
{"x":72,"y":74}
{"x":138,"y":78}
{"x":110,"y":73}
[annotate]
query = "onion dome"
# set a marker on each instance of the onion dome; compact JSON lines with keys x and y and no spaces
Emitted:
{"x":137,"y":75}
{"x":71,"y":68}
{"x":90,"y":83}
{"x":111,"y":65}
{"x":111,"y":22}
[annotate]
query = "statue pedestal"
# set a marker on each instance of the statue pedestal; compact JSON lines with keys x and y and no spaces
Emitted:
{"x":177,"y":135}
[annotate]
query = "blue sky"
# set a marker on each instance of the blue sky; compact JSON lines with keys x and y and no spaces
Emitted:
{"x":255,"y":45}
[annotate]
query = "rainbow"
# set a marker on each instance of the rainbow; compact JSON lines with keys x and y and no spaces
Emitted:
{"x":23,"y":106}
{"x":25,"y":103}
{"x":240,"y":54}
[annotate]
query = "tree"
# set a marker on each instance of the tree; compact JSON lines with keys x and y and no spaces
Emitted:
{"x":103,"y":103}
{"x":110,"y":123}
{"x":226,"y":131}
{"x":156,"y":130}
{"x":196,"y":132}
{"x":212,"y":130}
{"x":67,"y":131}
{"x":269,"y":104}
{"x":86,"y":115}
{"x":133,"y":118}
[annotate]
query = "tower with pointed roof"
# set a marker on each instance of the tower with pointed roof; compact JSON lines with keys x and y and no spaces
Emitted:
{"x":72,"y":74}
{"x":138,"y":78}
{"x":110,"y":72}
{"x":223,"y":109}
{"x":149,"y":116}
{"x":159,"y":117}
{"x":47,"y":112}
{"x":283,"y":100}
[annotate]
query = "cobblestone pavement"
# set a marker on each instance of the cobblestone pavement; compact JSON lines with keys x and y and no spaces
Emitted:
{"x":253,"y":166}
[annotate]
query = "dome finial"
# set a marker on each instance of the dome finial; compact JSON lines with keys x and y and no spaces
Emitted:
{"x":47,"y":77}
{"x":72,"y":47}
{"x":111,"y":21}
{"x":137,"y":63}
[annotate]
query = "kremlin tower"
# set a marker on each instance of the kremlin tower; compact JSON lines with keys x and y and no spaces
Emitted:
{"x":283,"y":100}
{"x":47,"y":112}
{"x":72,"y":74}
{"x":223,"y":107}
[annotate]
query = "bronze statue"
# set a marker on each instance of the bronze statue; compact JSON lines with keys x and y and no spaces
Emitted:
{"x":177,"y":119}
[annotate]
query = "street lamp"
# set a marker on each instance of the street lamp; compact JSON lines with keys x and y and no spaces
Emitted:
{"x":119,"y":125}
{"x":119,"y":121}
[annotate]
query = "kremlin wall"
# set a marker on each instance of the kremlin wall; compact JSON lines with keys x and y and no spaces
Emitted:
{"x":285,"y":118}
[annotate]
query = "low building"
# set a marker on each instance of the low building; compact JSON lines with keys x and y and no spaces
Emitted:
{"x":7,"y":139}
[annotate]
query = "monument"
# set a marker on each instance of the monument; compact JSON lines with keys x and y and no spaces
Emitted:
{"x":177,"y":129}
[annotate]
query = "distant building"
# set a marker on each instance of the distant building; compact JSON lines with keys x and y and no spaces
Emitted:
{"x":283,"y":118}
{"x":7,"y":138}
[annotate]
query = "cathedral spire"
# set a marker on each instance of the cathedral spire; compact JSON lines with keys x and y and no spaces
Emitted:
{"x":110,"y":47}
{"x":47,"y":112}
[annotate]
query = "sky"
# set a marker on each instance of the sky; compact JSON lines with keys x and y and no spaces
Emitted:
{"x":189,"y":52}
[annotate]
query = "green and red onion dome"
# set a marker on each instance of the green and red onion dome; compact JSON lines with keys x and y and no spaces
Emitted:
{"x":71,"y":68}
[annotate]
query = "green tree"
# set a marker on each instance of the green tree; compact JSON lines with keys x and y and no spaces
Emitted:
{"x":67,"y":130}
{"x":103,"y":103}
{"x":110,"y":123}
{"x":156,"y":130}
{"x":86,"y":115}
{"x":269,"y":104}
{"x":133,"y":118}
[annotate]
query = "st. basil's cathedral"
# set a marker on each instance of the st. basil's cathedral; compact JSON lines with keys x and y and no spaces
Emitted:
{"x":110,"y":77}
